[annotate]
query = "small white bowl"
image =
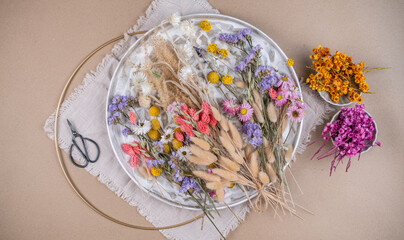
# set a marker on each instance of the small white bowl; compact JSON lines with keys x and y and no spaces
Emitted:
{"x":343,"y":100}
{"x":334,"y":118}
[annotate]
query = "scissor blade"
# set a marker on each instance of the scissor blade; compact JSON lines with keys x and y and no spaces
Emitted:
{"x":71,"y":126}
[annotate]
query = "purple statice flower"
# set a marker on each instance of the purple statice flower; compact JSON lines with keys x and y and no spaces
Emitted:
{"x":123,"y":103}
{"x":116,"y":99}
{"x":268,"y":82}
{"x":114,"y":118}
{"x":253,"y":133}
{"x":187,"y":140}
{"x":244,"y":33}
{"x":174,"y":107}
{"x":126,"y":132}
{"x":158,"y":147}
{"x":189,"y":183}
{"x":252,"y":55}
{"x":263,"y":70}
{"x":237,"y":38}
{"x":112,"y":107}
{"x":229,"y":38}
{"x":177,"y":175}
{"x":154,"y":162}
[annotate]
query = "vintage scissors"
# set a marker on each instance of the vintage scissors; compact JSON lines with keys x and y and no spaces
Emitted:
{"x":83,"y":153}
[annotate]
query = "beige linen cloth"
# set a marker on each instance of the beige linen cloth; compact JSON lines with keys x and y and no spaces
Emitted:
{"x":85,"y":108}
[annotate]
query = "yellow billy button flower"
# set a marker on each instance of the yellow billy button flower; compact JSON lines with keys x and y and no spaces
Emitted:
{"x":154,"y":111}
{"x":213,"y":77}
{"x":154,"y":135}
{"x":155,"y":171}
{"x":231,"y":185}
{"x":223,"y":53}
{"x":290,"y":62}
{"x":227,"y":79}
{"x":205,"y":25}
{"x":212,"y":48}
{"x":166,"y":148}
{"x":155,"y":124}
{"x":176,"y":144}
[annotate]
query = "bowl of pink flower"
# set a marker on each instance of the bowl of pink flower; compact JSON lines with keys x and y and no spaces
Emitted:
{"x":352,"y":131}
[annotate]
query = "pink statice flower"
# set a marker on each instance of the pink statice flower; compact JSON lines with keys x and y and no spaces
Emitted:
{"x":245,"y":112}
{"x":295,"y":114}
{"x":174,"y":106}
{"x":230,"y":106}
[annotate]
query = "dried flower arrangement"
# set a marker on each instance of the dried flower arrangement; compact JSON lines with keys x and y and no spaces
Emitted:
{"x":352,"y":132}
{"x":338,"y":75}
{"x":202,"y":144}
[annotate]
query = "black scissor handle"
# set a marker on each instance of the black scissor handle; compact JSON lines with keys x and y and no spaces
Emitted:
{"x":85,"y":153}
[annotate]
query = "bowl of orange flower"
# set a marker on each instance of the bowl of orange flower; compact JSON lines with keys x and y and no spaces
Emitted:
{"x":337,"y":78}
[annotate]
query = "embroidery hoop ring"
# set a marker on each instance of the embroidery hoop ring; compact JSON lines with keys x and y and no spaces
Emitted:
{"x":61,"y":159}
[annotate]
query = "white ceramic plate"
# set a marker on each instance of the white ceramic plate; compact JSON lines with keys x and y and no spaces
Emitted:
{"x":271,"y":55}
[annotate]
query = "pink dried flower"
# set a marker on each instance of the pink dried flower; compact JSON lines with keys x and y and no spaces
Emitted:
{"x":213,"y":121}
{"x":186,"y":127}
{"x":245,"y":112}
{"x":132,"y":118}
{"x":295,"y":114}
{"x":134,"y":161}
{"x":351,"y":133}
{"x":230,"y":106}
{"x":179,"y":136}
{"x":300,"y":104}
{"x":280,"y":100}
{"x":205,"y":118}
{"x":206,"y":108}
{"x":190,"y":133}
{"x":203,"y":128}
{"x":192,"y":113}
{"x":272,"y":93}
{"x":179,"y":120}
{"x":184,"y":108}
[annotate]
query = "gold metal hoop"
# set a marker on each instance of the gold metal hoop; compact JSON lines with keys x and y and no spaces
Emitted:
{"x":60,"y":157}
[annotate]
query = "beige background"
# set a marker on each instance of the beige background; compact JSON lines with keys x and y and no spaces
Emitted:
{"x":42,"y":41}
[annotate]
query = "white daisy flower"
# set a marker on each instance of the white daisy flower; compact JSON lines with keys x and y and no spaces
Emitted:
{"x":188,"y":29}
{"x":147,"y":88}
{"x":168,"y":136}
{"x":138,"y":77}
{"x":183,"y":153}
{"x":186,"y":51}
{"x":142,"y":127}
{"x":175,"y":19}
{"x":186,"y":74}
